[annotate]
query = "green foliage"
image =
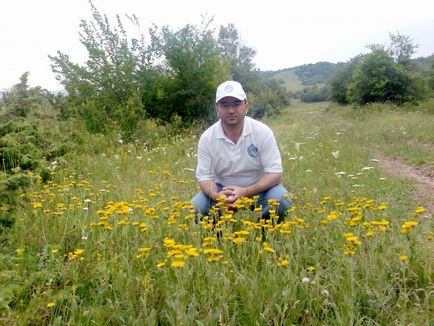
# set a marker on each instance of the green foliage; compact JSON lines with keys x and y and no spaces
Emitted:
{"x":379,"y":79}
{"x":401,"y":49}
{"x":238,"y":58}
{"x":272,"y":97}
{"x":20,"y":146}
{"x":174,"y":77}
{"x":75,"y":255}
{"x":29,"y":150}
{"x":108,"y":82}
{"x":191,"y":71}
{"x":317,"y":73}
{"x":21,"y":99}
{"x":341,"y":80}
{"x":432,"y":74}
{"x":383,"y":75}
{"x":314,"y":94}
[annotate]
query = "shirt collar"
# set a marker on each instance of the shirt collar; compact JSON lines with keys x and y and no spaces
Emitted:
{"x":247,"y":128}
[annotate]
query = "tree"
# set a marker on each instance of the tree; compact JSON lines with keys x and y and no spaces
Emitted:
{"x":431,"y":82}
{"x":103,"y":89}
{"x":383,"y":75}
{"x":238,"y":57}
{"x":339,"y":83}
{"x":314,"y":94}
{"x":378,"y":79}
{"x":173,"y":77}
{"x":21,"y":99}
{"x":401,"y":48}
{"x":192,"y":67}
{"x":271,"y":98}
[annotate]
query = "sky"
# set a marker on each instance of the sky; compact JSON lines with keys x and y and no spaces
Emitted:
{"x":284,"y":33}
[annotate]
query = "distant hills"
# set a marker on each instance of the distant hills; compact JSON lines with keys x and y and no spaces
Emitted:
{"x":296,"y":78}
{"x":299,"y":77}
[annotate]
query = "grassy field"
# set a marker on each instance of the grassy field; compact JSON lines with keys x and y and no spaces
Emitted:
{"x":111,"y":240}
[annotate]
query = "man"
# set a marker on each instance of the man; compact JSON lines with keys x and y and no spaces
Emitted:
{"x":238,"y":157}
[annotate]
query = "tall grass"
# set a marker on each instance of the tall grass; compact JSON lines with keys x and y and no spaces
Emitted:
{"x":112,"y":239}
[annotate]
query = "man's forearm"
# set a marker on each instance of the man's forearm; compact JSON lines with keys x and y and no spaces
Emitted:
{"x":209,"y":188}
{"x":266,"y":182}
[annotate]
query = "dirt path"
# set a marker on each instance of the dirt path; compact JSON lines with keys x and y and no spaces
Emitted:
{"x":422,"y":179}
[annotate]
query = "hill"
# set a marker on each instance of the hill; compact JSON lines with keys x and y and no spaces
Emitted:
{"x":299,"y":77}
{"x":296,"y":78}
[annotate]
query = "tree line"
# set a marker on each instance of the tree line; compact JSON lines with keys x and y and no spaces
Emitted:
{"x":165,"y":75}
{"x":171,"y":76}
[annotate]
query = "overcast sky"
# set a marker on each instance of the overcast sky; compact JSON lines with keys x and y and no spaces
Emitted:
{"x":284,"y":33}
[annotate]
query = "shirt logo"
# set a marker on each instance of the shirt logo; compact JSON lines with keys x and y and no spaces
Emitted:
{"x":252,"y":150}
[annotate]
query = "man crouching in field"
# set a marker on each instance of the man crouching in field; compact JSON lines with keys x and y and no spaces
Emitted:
{"x":238,"y":157}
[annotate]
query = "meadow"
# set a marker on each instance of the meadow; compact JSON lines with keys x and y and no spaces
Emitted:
{"x":111,"y":240}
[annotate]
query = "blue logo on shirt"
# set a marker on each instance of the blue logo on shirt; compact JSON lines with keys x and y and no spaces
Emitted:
{"x":252,"y":150}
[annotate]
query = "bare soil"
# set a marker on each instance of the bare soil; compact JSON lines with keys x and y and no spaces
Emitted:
{"x":422,"y":179}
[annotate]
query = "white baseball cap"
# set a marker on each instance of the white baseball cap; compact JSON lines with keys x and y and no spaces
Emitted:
{"x":230,"y":88}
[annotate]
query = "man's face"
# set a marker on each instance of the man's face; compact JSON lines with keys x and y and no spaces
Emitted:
{"x":232,"y":111}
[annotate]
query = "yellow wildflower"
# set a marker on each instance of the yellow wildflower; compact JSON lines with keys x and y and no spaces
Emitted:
{"x":178,"y":263}
{"x":213,"y":251}
{"x":19,"y":251}
{"x":282,"y":262}
{"x":311,"y":269}
{"x":239,"y":241}
{"x":192,"y":252}
{"x":162,"y":264}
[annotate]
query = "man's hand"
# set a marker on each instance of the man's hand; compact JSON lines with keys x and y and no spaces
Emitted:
{"x":231,"y":194}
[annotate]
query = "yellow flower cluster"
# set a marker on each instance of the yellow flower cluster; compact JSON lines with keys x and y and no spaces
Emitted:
{"x":177,"y":253}
{"x":408,"y":226}
{"x":76,"y":254}
{"x":143,"y":252}
{"x":352,"y":243}
{"x":282,"y":261}
{"x":152,"y":212}
{"x":215,"y":256}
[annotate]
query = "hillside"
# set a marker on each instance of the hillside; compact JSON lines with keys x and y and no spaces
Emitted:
{"x":296,"y":78}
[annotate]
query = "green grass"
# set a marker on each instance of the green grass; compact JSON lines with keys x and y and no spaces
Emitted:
{"x":117,"y":198}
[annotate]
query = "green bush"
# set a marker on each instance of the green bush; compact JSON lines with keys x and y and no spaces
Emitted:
{"x":314,"y":94}
{"x":383,"y":75}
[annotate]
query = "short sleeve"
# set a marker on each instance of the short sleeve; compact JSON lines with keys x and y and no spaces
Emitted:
{"x":205,"y":169}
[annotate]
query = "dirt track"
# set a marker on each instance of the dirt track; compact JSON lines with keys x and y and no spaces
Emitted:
{"x":422,"y":179}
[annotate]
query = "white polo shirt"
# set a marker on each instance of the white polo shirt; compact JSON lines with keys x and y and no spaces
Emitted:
{"x":241,"y":164}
